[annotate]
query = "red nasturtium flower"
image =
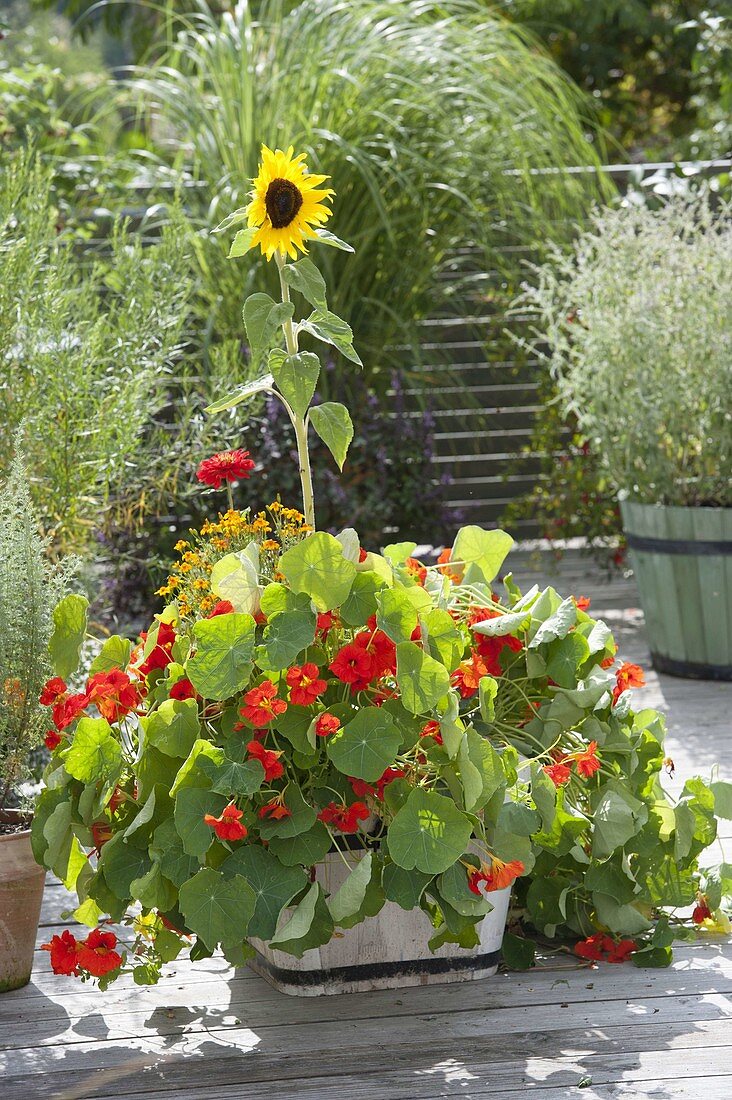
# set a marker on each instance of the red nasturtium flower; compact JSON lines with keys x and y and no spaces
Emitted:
{"x":342,"y":817}
{"x":225,"y":466}
{"x":495,"y":875}
{"x":361,"y":788}
{"x":587,"y":761}
{"x":432,"y":729}
{"x":268,"y":758}
{"x":113,"y":693}
{"x":101,"y":833}
{"x":602,"y":947}
{"x":702,"y":911}
{"x":388,"y":777}
{"x":467,"y":675}
{"x":221,"y":607}
{"x":416,"y":570}
{"x":627,"y":676}
{"x":352,"y":665}
{"x":227,"y":825}
{"x":559,"y":773}
{"x":118,"y":799}
{"x":52,"y":691}
{"x":327,"y":724}
{"x":275,"y":809}
{"x":63,"y":949}
{"x":182,"y":689}
{"x":443,"y":561}
{"x":325,"y":623}
{"x":304,"y":684}
{"x":262,"y":705}
{"x":97,"y":955}
{"x":159,"y":656}
{"x":582,"y":603}
{"x":52,"y":740}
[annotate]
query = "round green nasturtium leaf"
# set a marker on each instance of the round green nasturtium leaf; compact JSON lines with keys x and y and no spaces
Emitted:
{"x":422,"y":680}
{"x":121,"y":862}
{"x":317,"y":567}
{"x":442,"y":637}
{"x":216,"y":908}
{"x":115,"y":653}
{"x":305,"y":848}
{"x":69,"y":631}
{"x":153,"y":890}
{"x":404,"y":887}
{"x":453,"y":887}
{"x":94,"y":753}
{"x":310,"y":925}
{"x":361,"y":894}
{"x":428,"y":833}
{"x":173,"y":727}
{"x":191,"y":805}
{"x":273,"y":883}
{"x":167,"y":849}
{"x":480,"y":554}
{"x":287,"y":634}
{"x":231,"y":778}
{"x":366,"y":746}
{"x":222,"y":663}
{"x":302,"y":816}
{"x":361,"y":602}
{"x":190,"y":773}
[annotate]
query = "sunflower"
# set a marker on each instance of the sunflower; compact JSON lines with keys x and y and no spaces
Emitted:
{"x":286,"y":204}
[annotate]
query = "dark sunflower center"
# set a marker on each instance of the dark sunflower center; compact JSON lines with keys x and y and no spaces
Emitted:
{"x":283,"y":200}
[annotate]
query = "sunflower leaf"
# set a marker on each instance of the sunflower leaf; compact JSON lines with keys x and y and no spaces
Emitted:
{"x":296,"y":377}
{"x":304,"y":277}
{"x":243,"y":393}
{"x":326,"y":237}
{"x":242,"y":243}
{"x":262,"y":317}
{"x":332,"y":422}
{"x":331,"y":329}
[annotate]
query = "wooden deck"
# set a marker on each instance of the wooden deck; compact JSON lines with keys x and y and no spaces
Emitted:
{"x":557,"y":1032}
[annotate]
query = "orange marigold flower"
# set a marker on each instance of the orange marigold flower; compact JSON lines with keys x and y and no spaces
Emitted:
{"x":262,"y":705}
{"x":587,"y":761}
{"x":304,"y":684}
{"x":225,"y":466}
{"x":326,"y":724}
{"x":227,"y":825}
{"x":495,"y":875}
{"x":467,"y":675}
{"x":64,"y":953}
{"x":268,"y":758}
{"x":96,"y":953}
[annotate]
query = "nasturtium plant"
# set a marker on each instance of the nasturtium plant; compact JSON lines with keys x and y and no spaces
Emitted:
{"x":303,"y":699}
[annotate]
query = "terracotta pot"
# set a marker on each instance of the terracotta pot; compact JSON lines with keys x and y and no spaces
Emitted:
{"x":21,"y":893}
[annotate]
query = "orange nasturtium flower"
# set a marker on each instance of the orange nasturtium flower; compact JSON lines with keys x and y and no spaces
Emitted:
{"x":227,"y":825}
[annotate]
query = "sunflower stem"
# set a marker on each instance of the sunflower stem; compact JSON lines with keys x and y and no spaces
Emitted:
{"x":298,"y":422}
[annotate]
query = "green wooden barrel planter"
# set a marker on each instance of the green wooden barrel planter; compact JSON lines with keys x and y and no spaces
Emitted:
{"x":682,"y":559}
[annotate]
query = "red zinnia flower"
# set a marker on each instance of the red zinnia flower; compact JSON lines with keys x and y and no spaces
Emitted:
{"x":495,"y":875}
{"x":627,"y":676}
{"x":352,"y":665}
{"x":225,"y":466}
{"x":268,"y":758}
{"x":587,"y":761}
{"x":558,"y":773}
{"x":64,"y":953}
{"x":221,"y":607}
{"x":262,"y":704}
{"x":227,"y":825}
{"x":159,"y":656}
{"x":52,"y":740}
{"x":275,"y":809}
{"x":182,"y":689}
{"x":342,"y":817}
{"x":97,"y":955}
{"x":52,"y":691}
{"x":304,"y":684}
{"x":467,"y":675}
{"x":113,"y":693}
{"x":327,"y":724}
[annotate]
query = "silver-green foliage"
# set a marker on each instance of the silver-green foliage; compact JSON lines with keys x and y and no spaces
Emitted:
{"x":638,"y":319}
{"x":30,"y":588}
{"x":431,"y":120}
{"x":86,"y":354}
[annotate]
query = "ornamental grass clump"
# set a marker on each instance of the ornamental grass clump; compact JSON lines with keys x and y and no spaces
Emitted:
{"x":638,"y":319}
{"x":303,"y":697}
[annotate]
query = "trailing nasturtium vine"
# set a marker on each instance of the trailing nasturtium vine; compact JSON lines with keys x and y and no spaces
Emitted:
{"x":302,"y":696}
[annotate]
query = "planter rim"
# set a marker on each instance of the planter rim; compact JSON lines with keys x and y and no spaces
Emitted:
{"x":10,"y":816}
{"x":658,"y":506}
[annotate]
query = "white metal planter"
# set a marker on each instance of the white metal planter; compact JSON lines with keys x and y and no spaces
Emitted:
{"x":387,"y":951}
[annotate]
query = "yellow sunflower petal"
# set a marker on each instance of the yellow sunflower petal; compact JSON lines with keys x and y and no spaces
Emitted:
{"x":286,"y":203}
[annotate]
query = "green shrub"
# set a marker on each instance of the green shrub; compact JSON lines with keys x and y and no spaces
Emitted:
{"x":638,"y":319}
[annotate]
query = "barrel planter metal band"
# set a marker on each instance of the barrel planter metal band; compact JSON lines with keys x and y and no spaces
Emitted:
{"x":682,"y":559}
